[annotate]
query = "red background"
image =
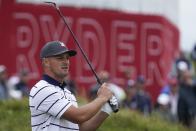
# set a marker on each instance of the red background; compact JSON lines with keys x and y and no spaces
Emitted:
{"x":114,"y":41}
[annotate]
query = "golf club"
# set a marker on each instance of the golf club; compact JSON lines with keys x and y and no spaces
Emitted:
{"x":115,"y":107}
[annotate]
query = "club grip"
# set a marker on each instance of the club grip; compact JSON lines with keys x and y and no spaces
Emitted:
{"x":115,"y":107}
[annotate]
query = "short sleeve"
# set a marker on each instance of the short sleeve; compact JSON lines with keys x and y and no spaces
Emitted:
{"x":52,"y":101}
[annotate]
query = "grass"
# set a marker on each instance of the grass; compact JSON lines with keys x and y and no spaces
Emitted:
{"x":127,"y":120}
{"x":15,"y":116}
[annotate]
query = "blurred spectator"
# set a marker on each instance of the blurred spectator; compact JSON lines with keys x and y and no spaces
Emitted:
{"x":172,"y":90}
{"x":163,"y":107}
{"x":187,"y":99}
{"x":22,"y":85}
{"x":174,"y":95}
{"x":129,"y":74}
{"x":130,"y":93}
{"x":129,"y":87}
{"x":172,"y":81}
{"x":12,"y":81}
{"x":19,"y":84}
{"x":141,"y":101}
{"x":105,"y":77}
{"x":181,"y":64}
{"x":4,"y":94}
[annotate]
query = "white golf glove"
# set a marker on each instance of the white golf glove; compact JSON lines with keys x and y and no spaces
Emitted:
{"x":106,"y":107}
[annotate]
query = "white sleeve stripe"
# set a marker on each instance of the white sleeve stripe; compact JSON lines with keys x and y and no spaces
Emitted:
{"x":39,"y":91}
{"x":45,"y":99}
{"x":62,"y":109}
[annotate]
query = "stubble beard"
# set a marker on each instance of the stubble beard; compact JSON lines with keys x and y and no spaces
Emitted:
{"x":60,"y":75}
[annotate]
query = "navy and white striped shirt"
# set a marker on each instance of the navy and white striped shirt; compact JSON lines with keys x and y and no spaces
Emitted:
{"x":48,"y":101}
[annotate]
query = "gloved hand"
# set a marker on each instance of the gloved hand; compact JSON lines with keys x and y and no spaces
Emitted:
{"x":107,"y":108}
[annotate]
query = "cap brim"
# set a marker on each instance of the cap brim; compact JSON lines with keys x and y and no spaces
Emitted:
{"x":69,"y":52}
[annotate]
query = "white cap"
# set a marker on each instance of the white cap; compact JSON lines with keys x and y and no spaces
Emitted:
{"x":182,"y":66}
{"x":163,"y":99}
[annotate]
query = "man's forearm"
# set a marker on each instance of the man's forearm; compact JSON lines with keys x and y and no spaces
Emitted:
{"x":84,"y":113}
{"x":94,"y":123}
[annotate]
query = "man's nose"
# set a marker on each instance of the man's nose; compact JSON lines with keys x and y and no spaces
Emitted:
{"x":66,"y":61}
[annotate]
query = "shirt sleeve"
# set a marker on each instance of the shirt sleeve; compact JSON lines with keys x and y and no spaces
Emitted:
{"x":51,"y":101}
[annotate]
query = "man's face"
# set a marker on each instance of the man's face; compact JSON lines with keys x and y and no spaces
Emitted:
{"x":59,"y":65}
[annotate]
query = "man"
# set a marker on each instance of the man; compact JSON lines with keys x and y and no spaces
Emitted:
{"x":22,"y":84}
{"x":141,"y":99}
{"x":53,"y":107}
{"x":186,"y":106}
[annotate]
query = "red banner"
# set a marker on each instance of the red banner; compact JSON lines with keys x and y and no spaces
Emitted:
{"x":114,"y":41}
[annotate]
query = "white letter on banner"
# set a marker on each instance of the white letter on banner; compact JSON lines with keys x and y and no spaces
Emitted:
{"x":151,"y":48}
{"x":52,"y":31}
{"x":123,"y":36}
{"x":27,"y":40}
{"x":91,"y":35}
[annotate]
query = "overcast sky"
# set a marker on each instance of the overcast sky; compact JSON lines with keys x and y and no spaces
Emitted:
{"x":187,"y":23}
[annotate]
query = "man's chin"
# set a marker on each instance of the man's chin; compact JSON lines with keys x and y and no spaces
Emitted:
{"x":65,"y":74}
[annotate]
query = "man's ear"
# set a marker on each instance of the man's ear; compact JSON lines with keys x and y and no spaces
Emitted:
{"x":45,"y":62}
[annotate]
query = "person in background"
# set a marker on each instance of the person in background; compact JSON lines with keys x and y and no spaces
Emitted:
{"x":172,"y":90}
{"x":117,"y":90}
{"x":129,"y":78}
{"x":18,"y":84}
{"x":187,"y":99}
{"x":4,"y":90}
{"x":130,"y":93}
{"x":141,"y":101}
{"x":174,"y":95}
{"x":181,"y":64}
{"x":22,"y":85}
{"x":104,"y":77}
{"x":162,"y":108}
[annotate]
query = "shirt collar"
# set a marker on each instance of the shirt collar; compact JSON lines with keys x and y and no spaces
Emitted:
{"x":53,"y":81}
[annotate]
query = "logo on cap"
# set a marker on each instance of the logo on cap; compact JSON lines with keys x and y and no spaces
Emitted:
{"x":62,"y":44}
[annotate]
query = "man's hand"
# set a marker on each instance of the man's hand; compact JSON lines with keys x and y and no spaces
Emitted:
{"x":104,"y":92}
{"x":107,"y":108}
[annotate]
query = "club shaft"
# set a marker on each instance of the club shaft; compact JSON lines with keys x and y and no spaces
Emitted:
{"x":78,"y":44}
{"x":115,"y":108}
